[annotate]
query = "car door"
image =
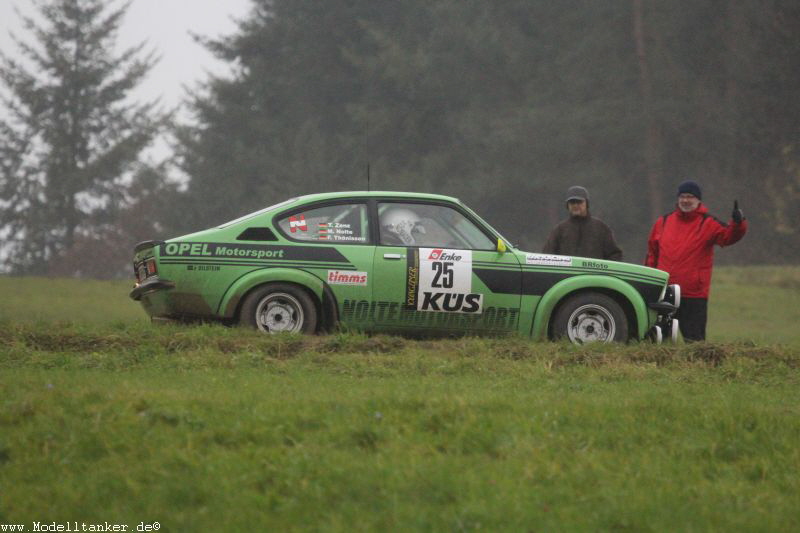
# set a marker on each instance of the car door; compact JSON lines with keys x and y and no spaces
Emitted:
{"x":432,"y":270}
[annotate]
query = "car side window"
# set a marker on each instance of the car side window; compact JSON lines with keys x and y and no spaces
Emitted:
{"x":340,"y":223}
{"x":429,"y":225}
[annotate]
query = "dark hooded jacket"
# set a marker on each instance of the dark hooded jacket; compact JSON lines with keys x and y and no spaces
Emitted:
{"x":583,"y":237}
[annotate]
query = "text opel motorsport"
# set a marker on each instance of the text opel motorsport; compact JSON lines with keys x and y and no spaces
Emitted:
{"x":400,"y":262}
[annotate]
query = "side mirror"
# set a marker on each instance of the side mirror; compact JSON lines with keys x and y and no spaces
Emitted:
{"x":501,"y":246}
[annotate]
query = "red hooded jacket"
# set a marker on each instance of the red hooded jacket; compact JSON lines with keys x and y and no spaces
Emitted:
{"x":683,"y":245}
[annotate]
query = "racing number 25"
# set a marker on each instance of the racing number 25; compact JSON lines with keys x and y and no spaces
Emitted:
{"x":443,"y":278}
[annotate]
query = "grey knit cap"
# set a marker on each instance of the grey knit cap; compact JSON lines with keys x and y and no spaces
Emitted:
{"x":577,"y":193}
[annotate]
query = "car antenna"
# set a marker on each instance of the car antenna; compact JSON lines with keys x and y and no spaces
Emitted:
{"x":367,"y":177}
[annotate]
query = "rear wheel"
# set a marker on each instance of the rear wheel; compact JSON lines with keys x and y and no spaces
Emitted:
{"x":279,"y":307}
{"x":590,"y":317}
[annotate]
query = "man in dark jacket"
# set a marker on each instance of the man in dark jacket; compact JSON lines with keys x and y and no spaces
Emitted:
{"x":581,"y":234}
{"x":682,"y":243}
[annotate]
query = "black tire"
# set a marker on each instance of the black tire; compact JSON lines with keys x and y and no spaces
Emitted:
{"x":279,"y":307}
{"x":590,"y":317}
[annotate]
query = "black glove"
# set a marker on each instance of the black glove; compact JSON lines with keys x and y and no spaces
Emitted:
{"x":737,"y":214}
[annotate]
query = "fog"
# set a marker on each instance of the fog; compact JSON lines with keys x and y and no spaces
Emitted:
{"x":504,"y":106}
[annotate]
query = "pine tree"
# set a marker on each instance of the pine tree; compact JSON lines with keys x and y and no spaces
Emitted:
{"x":69,"y":133}
{"x":505,"y":105}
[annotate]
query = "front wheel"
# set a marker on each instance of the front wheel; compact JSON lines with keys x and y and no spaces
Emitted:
{"x":590,"y":317}
{"x":279,"y":307}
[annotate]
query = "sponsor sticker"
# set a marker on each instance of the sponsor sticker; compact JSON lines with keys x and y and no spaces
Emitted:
{"x":445,"y":281}
{"x":268,"y":252}
{"x":594,"y":264}
{"x":451,"y":302}
{"x":297,"y":223}
{"x":412,"y":278}
{"x":443,"y":270}
{"x":347,"y":277}
{"x":492,"y":318}
{"x":211,"y":268}
{"x":549,"y":260}
{"x":193,"y":249}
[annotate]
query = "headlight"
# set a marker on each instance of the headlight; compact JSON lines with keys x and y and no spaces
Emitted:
{"x":673,"y":295}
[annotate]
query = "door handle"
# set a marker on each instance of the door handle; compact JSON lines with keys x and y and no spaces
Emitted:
{"x":393,"y":256}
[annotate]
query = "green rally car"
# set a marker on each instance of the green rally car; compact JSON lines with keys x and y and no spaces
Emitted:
{"x":394,"y":262}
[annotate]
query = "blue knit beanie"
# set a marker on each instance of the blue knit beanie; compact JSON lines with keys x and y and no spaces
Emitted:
{"x":691,"y":188}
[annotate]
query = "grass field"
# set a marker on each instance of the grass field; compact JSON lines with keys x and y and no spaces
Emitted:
{"x":105,"y":418}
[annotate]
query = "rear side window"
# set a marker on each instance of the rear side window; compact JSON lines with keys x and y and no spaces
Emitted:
{"x":338,"y":224}
{"x":257,"y":234}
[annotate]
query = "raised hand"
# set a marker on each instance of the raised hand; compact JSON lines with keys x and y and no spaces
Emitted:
{"x":737,"y":214}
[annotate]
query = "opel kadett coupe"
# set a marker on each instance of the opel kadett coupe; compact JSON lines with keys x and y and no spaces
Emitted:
{"x":419,"y":264}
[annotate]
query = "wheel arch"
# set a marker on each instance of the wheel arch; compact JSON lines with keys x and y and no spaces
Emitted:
{"x":231,"y":301}
{"x":622,"y":292}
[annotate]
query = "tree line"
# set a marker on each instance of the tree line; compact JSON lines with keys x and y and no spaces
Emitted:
{"x":503,"y":104}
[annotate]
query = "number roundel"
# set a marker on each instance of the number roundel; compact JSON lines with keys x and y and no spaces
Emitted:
{"x":443,"y":275}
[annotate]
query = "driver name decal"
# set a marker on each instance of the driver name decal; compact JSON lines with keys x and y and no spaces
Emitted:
{"x":338,"y":231}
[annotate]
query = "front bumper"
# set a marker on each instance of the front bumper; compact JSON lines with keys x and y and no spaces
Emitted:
{"x":666,"y":327}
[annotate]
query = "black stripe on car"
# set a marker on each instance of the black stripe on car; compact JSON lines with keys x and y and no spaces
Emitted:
{"x":570,"y":270}
{"x":538,"y":283}
{"x":583,"y":270}
{"x":267,"y":263}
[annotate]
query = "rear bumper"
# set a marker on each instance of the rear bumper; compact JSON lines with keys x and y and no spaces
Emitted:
{"x":150,"y":285}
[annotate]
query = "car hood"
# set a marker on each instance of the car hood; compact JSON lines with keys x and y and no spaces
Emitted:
{"x":587,"y":265}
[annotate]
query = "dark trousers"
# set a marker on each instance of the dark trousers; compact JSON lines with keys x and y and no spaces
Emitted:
{"x":692,"y":317}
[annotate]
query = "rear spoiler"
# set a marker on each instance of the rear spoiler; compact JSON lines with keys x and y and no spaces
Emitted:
{"x":146,"y":244}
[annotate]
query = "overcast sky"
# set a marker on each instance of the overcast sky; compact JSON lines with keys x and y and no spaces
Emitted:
{"x":165,"y":25}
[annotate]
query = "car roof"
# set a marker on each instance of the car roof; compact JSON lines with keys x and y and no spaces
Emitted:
{"x":309,"y":198}
{"x":375,"y":194}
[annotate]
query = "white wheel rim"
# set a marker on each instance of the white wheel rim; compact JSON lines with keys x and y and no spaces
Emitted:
{"x":279,"y":312}
{"x":591,"y":323}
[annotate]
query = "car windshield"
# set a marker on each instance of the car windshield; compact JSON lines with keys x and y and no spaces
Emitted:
{"x":256,"y":213}
{"x":476,"y":215}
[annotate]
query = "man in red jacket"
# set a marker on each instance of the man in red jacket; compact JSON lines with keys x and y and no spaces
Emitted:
{"x":682,"y":243}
